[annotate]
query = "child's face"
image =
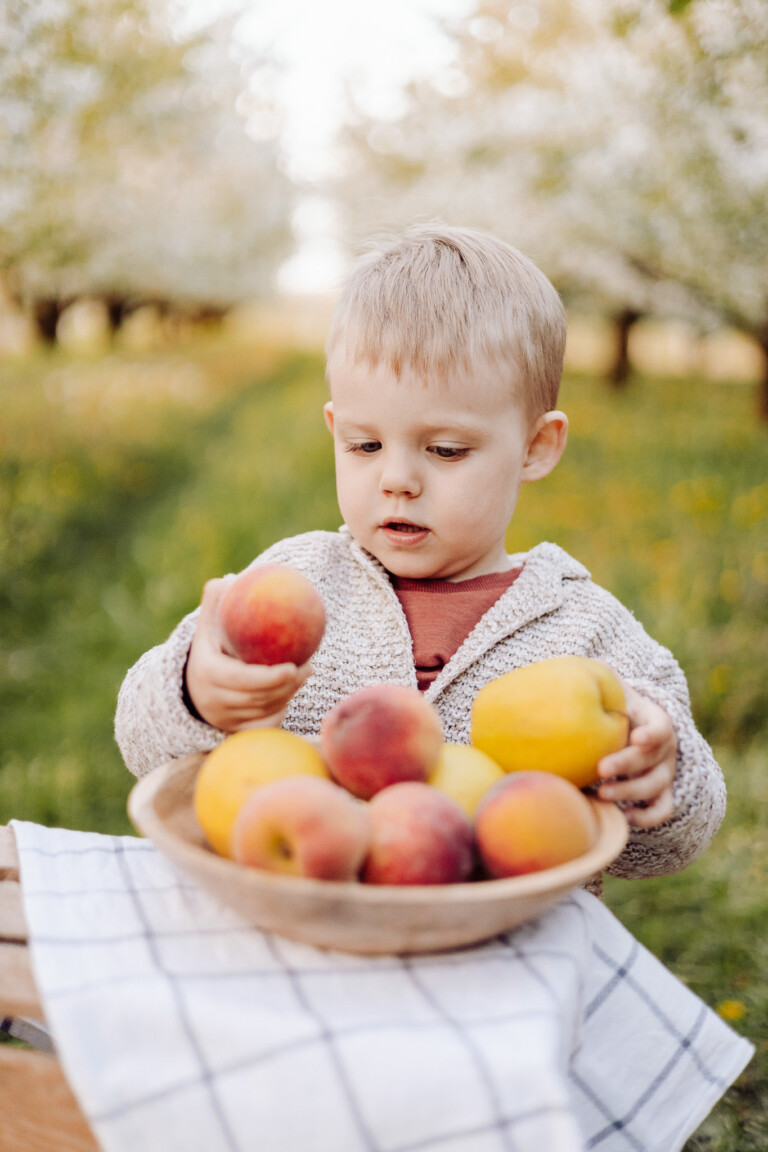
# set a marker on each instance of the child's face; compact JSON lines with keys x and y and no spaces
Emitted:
{"x":428,"y":475}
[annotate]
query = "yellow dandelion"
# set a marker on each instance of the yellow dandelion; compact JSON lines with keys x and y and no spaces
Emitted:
{"x":731,"y":1009}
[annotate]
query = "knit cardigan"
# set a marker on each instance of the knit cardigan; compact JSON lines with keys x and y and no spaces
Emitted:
{"x":552,"y":609}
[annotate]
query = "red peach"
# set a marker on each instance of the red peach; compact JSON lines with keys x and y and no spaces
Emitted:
{"x":530,"y":821}
{"x":303,"y":826}
{"x":381,"y":735}
{"x":418,"y":836}
{"x":272,"y":614}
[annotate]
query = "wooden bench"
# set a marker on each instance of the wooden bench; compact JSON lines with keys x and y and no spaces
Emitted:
{"x":39,"y":1113}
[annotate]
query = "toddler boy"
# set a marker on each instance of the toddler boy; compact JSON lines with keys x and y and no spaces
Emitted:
{"x":444,"y":361}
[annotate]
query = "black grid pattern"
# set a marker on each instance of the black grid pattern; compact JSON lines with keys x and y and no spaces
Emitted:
{"x":181,"y":1027}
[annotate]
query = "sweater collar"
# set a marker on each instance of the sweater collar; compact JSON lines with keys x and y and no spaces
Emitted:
{"x":538,"y":590}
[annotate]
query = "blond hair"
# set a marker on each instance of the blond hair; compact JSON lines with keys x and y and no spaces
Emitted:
{"x":441,"y":300}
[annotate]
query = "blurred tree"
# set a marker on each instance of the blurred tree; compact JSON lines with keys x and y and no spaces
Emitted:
{"x":622,"y":143}
{"x":138,"y":159}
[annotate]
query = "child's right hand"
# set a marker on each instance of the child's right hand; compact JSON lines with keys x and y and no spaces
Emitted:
{"x":227,"y":693}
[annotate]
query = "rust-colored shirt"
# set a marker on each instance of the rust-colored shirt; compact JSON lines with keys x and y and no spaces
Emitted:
{"x":442,"y":613}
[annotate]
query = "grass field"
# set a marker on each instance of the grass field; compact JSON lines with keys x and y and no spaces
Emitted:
{"x":126,"y":482}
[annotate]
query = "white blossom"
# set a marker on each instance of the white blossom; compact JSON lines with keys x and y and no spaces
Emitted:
{"x":623,"y":146}
{"x":127,"y":165}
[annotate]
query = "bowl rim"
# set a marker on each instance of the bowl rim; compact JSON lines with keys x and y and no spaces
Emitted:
{"x":613,"y":833}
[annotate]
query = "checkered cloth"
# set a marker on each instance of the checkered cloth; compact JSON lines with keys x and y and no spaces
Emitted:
{"x":181,"y":1027}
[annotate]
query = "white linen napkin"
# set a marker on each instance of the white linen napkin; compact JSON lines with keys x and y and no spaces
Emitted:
{"x":180,"y":1027}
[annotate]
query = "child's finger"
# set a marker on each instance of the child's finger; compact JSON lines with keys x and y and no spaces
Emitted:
{"x":272,"y":721}
{"x":242,"y":699}
{"x":630,"y":761}
{"x":651,"y":727}
{"x":649,"y":735}
{"x":645,"y":787}
{"x":231,"y":673}
{"x":657,"y":812}
{"x":213,"y":590}
{"x":645,"y":749}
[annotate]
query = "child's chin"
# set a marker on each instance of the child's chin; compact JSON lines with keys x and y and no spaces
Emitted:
{"x":411,"y":567}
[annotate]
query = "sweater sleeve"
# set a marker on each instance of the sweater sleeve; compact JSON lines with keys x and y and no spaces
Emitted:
{"x":699,"y":788}
{"x":152,"y":722}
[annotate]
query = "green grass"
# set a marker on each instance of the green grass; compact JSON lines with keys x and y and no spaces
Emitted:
{"x":126,"y":483}
{"x":707,"y":924}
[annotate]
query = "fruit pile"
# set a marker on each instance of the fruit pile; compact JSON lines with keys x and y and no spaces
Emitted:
{"x":382,"y":799}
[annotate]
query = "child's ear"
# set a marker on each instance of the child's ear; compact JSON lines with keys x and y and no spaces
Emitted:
{"x":328,"y":413}
{"x":545,"y":445}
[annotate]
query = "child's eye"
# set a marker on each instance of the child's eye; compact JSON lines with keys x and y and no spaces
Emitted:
{"x":365,"y":446}
{"x":446,"y":453}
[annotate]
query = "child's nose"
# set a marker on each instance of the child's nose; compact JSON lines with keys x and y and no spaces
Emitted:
{"x":399,"y":475}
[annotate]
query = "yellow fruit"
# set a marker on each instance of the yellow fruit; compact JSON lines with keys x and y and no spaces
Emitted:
{"x":560,"y":715}
{"x":465,"y":774}
{"x":240,"y":765}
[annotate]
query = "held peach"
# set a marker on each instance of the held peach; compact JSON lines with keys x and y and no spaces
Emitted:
{"x":465,"y":774}
{"x":272,"y":614}
{"x":531,"y":821}
{"x":560,"y":715}
{"x":380,"y":735}
{"x":418,"y":836}
{"x":303,"y":826}
{"x":242,"y":763}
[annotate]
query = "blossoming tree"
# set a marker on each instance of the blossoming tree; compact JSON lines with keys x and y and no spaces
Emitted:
{"x":622,"y":143}
{"x":139,"y":159}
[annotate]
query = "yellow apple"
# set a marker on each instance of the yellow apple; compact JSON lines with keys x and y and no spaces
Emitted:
{"x":242,"y":763}
{"x":465,"y":774}
{"x":560,"y":715}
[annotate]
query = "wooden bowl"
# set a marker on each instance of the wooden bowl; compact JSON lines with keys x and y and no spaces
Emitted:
{"x":362,"y":918}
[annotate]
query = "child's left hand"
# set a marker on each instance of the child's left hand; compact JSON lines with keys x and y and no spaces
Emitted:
{"x":645,"y":769}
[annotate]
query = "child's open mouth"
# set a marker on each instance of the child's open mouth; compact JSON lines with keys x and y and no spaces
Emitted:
{"x":403,"y":532}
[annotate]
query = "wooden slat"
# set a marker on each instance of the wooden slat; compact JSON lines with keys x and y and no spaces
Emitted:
{"x":13,"y":926}
{"x":39,"y":1113}
{"x":18,"y":991}
{"x":9,"y":857}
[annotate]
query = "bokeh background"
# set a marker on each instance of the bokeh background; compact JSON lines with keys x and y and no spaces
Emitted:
{"x":182,"y":186}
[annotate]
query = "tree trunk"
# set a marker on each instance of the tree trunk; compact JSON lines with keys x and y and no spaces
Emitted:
{"x":117,"y":308}
{"x":624,"y":322}
{"x":762,"y":396}
{"x":46,"y":312}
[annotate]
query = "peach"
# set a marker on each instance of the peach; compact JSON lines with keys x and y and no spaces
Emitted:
{"x":242,"y":763}
{"x":418,"y":836}
{"x":272,"y":614}
{"x":380,"y":735}
{"x":530,"y":821}
{"x":303,"y":826}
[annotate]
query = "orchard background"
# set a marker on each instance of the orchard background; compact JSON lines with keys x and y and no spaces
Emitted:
{"x":126,"y":481}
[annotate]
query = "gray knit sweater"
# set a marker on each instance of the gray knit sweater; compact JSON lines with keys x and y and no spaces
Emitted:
{"x":552,"y":609}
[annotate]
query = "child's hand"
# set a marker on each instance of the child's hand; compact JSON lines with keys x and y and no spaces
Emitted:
{"x":645,"y":769}
{"x":227,"y":693}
